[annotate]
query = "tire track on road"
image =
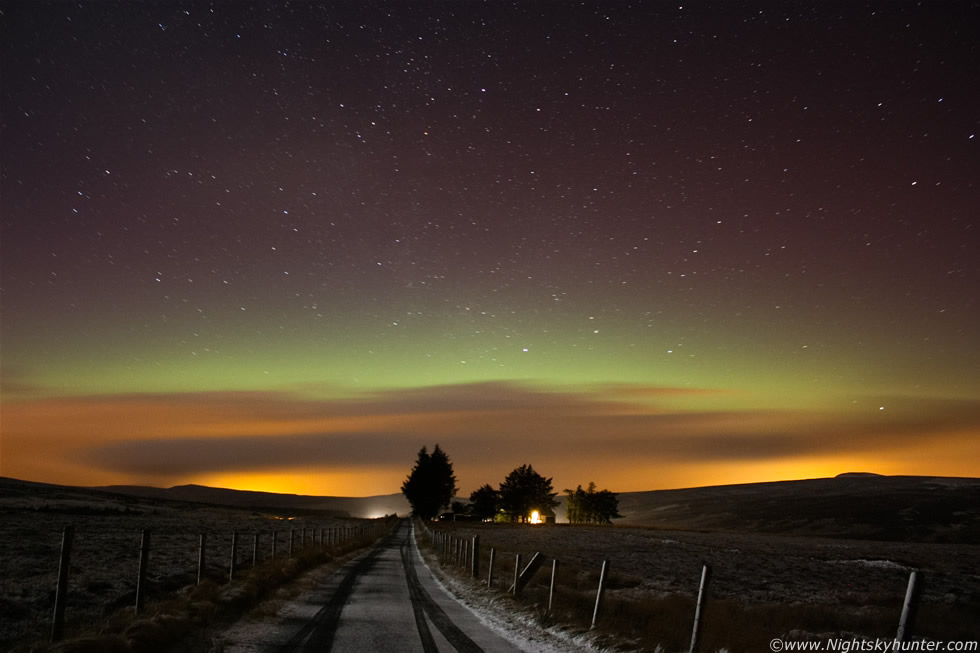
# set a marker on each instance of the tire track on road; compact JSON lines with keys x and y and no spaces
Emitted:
{"x":418,"y":606}
{"x":319,"y":632}
{"x":421,"y":600}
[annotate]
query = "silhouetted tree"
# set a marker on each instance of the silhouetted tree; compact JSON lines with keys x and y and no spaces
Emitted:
{"x":591,"y":507}
{"x":484,"y":502}
{"x":525,"y":490}
{"x":573,"y":505}
{"x":431,"y":484}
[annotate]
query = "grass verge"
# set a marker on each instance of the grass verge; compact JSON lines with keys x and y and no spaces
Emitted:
{"x":186,"y":621}
{"x":632,"y":619}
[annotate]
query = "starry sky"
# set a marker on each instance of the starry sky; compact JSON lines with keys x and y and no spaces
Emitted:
{"x":283,"y":245}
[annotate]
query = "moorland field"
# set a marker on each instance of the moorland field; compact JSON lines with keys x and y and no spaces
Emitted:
{"x":805,"y":559}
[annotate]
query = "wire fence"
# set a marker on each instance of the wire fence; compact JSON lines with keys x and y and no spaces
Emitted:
{"x":593,"y":595}
{"x":93,"y":568}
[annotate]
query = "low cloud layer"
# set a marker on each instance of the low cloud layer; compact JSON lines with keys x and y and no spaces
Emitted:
{"x":483,"y":427}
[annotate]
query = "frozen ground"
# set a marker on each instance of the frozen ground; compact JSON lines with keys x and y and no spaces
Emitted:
{"x":750,"y":567}
{"x":261,"y":630}
{"x":519,"y":627}
{"x":754,"y":569}
{"x":105,"y":550}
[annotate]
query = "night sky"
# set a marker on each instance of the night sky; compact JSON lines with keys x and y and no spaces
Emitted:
{"x":281,"y":246}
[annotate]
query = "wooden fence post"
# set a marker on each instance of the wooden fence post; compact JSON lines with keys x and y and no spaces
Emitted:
{"x":705,"y":571}
{"x":475,"y":566}
{"x":517,"y":572}
{"x":598,"y":594}
{"x":234,"y":555}
{"x":907,"y":607}
{"x":201,"y":560}
{"x":292,"y":538}
{"x":61,"y":593}
{"x":493,"y":553}
{"x":255,"y":550}
{"x":141,"y":575}
{"x":551,"y":587}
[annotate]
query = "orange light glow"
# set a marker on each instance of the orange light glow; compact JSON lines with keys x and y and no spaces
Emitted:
{"x":309,"y":481}
{"x":342,"y":449}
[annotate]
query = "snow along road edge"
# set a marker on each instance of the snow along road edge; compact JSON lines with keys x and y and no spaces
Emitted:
{"x":519,"y":628}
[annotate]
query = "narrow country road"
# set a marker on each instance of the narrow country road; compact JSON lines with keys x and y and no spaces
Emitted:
{"x":384,"y":600}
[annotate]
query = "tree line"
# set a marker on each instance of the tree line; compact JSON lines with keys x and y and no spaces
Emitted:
{"x":522,"y":496}
{"x":591,"y":506}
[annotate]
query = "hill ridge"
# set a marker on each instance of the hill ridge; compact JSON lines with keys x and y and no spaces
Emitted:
{"x":853,"y":505}
{"x":890,"y":508}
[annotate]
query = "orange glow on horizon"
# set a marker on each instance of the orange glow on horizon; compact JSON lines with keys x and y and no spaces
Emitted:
{"x":313,"y":482}
{"x":63,"y":440}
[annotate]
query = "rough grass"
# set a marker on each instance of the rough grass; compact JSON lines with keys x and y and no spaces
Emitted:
{"x":187,"y":620}
{"x":632,"y":617}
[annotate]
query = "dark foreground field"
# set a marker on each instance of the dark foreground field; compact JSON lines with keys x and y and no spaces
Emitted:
{"x":106,"y":548}
{"x":762,"y":586}
{"x":814,"y":559}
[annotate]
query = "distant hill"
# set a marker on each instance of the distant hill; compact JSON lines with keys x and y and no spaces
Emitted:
{"x":852,"y":505}
{"x":283,"y":504}
{"x":295,"y":503}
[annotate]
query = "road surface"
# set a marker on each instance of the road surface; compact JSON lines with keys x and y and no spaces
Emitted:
{"x":384,"y":600}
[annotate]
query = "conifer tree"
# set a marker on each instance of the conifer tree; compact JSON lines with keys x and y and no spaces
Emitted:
{"x":431,"y":485}
{"x":484,"y":502}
